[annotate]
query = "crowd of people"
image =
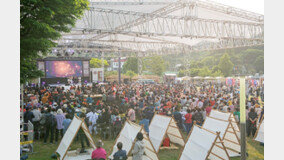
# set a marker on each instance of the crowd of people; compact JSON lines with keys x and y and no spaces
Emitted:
{"x":51,"y":109}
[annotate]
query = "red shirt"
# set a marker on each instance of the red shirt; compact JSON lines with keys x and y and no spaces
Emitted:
{"x":208,"y":110}
{"x":166,"y":142}
{"x":188,"y":118}
{"x":212,"y":103}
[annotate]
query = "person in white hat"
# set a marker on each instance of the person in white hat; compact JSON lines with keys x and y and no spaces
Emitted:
{"x":59,"y":124}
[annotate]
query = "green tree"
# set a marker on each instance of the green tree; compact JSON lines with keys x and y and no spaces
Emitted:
{"x":109,"y":73}
{"x":156,"y":65}
{"x":131,"y":74}
{"x":194,"y":72}
{"x":41,"y":22}
{"x":204,"y":72}
{"x":97,"y":63}
{"x":259,"y":64}
{"x":217,"y":73}
{"x":183,"y":73}
{"x":131,"y":64}
{"x":225,"y":65}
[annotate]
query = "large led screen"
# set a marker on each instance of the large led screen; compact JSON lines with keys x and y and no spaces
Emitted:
{"x":63,"y":69}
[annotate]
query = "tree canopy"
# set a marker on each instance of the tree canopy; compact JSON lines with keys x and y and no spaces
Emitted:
{"x":41,"y":22}
{"x":97,"y":63}
{"x":155,"y":64}
{"x":131,"y":64}
{"x":225,"y":65}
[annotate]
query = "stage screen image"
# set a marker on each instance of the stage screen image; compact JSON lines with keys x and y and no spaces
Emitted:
{"x":63,"y":69}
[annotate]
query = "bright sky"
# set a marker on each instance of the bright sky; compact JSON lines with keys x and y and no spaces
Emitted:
{"x":256,"y":6}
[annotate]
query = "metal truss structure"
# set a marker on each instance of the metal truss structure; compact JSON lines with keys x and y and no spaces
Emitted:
{"x":177,"y":26}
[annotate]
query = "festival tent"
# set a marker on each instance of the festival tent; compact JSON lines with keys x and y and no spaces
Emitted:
{"x":128,"y":135}
{"x":227,"y":117}
{"x":227,"y":134}
{"x":71,"y":132}
{"x":203,"y":144}
{"x":161,"y":126}
{"x":259,"y":135}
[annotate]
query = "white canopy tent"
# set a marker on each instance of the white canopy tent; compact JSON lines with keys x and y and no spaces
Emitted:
{"x":227,"y":134}
{"x":71,"y":132}
{"x":128,"y":135}
{"x":161,"y":126}
{"x":259,"y":135}
{"x":227,"y":117}
{"x":203,"y":144}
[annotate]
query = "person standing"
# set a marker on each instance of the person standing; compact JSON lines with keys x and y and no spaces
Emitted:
{"x":139,"y":147}
{"x":131,"y":114}
{"x":252,"y":118}
{"x":36,"y":119}
{"x":198,"y":118}
{"x":66,"y":123}
{"x":188,"y":121}
{"x":50,"y":124}
{"x":145,"y":123}
{"x":59,"y":124}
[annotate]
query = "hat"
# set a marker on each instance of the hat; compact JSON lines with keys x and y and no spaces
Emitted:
{"x":59,"y":111}
{"x":65,"y":105}
{"x":55,"y":104}
{"x":83,"y":110}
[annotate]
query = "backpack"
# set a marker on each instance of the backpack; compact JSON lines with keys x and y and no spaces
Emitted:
{"x":198,"y":117}
{"x":50,"y":119}
{"x":43,"y":120}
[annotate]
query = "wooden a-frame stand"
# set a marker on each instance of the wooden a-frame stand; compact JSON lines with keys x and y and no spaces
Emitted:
{"x":171,"y":126}
{"x":84,"y":127}
{"x":145,"y":138}
{"x":217,"y":144}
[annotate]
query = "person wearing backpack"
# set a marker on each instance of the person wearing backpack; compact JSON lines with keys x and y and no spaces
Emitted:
{"x":198,"y":118}
{"x":50,"y":123}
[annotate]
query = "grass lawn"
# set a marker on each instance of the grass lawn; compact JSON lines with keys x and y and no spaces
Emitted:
{"x":44,"y":151}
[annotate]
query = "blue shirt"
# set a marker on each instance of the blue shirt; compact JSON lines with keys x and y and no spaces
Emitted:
{"x":145,"y":122}
{"x":66,"y":123}
{"x":120,"y":154}
{"x":90,"y":100}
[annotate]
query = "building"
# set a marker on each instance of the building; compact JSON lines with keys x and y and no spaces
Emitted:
{"x":113,"y":66}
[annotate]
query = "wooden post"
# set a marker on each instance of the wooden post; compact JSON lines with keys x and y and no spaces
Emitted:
{"x":243,"y":117}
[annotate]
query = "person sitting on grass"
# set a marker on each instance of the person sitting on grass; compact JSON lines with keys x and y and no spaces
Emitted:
{"x":99,"y":153}
{"x":120,"y":154}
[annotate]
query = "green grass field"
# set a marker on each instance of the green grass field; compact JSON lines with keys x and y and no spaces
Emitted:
{"x":44,"y":151}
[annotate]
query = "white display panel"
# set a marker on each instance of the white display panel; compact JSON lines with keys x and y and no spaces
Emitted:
{"x":157,"y":130}
{"x":68,"y":137}
{"x":198,"y":145}
{"x":260,"y":133}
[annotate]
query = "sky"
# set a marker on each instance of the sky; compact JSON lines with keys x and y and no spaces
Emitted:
{"x":256,"y":6}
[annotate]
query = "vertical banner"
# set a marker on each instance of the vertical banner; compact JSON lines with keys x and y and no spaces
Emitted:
{"x":86,"y":72}
{"x":243,"y":100}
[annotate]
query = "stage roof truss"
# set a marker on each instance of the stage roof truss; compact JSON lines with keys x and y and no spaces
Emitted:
{"x":180,"y":24}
